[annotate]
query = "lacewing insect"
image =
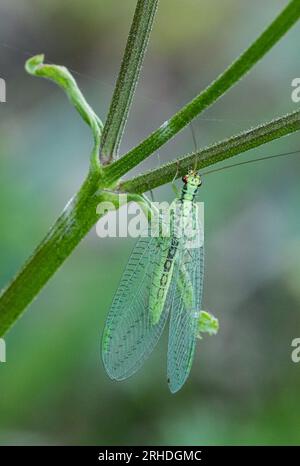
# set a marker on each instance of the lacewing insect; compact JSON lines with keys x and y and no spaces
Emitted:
{"x":163,"y":276}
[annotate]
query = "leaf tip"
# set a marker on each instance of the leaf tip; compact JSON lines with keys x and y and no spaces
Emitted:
{"x":33,"y":63}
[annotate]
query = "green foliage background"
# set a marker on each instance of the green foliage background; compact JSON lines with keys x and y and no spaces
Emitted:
{"x":243,"y":388}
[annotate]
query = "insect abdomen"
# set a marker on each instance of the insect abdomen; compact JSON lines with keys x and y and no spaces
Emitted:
{"x":161,"y":282}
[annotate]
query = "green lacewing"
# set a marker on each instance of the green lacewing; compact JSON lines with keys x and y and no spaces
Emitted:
{"x":163,"y":277}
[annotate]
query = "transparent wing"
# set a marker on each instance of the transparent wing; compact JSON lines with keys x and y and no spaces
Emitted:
{"x":129,"y":335}
{"x":185,"y":310}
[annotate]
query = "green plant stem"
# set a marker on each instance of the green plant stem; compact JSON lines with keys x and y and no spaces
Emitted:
{"x":61,"y":76}
{"x":128,"y":77}
{"x":72,"y":225}
{"x":81,"y":213}
{"x":286,"y":19}
{"x":215,"y":153}
{"x":78,"y":217}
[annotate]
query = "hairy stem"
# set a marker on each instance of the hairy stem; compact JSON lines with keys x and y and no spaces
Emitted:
{"x":61,"y":76}
{"x":215,"y":153}
{"x":81,"y":213}
{"x":72,"y":225}
{"x":231,"y":76}
{"x":128,"y":77}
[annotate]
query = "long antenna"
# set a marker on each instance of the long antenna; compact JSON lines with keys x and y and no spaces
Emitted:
{"x":285,"y":154}
{"x":194,"y":141}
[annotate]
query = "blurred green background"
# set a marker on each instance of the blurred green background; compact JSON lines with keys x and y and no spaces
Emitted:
{"x":243,"y":388}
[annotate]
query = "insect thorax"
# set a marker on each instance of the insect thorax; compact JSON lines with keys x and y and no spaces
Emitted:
{"x":188,"y":192}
